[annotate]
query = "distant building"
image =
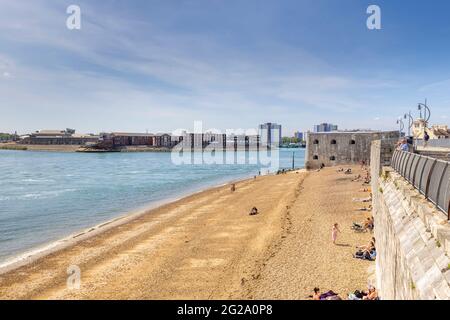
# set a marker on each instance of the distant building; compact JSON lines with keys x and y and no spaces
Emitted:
{"x":343,"y":148}
{"x":123,"y":139}
{"x":299,"y":135}
{"x":325,"y":127}
{"x":59,"y":137}
{"x":270,"y":134}
{"x":435,"y":132}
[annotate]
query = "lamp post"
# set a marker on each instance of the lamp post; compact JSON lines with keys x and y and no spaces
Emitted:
{"x":401,"y":126}
{"x":293,"y":160}
{"x":410,"y":119}
{"x":426,"y":112}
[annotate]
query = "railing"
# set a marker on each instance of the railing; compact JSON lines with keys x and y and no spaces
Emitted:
{"x":434,"y":143}
{"x":430,"y":176}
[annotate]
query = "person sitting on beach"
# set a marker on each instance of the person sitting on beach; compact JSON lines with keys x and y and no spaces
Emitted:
{"x":372,"y":294}
{"x":366,"y":226}
{"x":369,"y":225}
{"x":357,"y":178}
{"x":254,"y":211}
{"x":367,"y":252}
{"x":316,"y":295}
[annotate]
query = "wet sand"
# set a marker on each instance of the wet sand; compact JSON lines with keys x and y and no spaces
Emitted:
{"x":206,"y":246}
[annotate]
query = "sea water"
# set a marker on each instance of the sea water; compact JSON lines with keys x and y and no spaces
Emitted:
{"x":46,"y":196}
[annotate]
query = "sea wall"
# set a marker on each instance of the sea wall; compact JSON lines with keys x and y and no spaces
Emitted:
{"x":412,"y":238}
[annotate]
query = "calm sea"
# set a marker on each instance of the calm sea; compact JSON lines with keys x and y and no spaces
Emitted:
{"x":46,"y":196}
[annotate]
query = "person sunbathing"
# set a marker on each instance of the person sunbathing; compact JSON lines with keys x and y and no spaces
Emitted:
{"x":254,"y":211}
{"x":369,"y":247}
{"x":368,"y":225}
{"x":372,"y":294}
{"x":362,"y":295}
{"x":316,"y":295}
{"x":368,"y":252}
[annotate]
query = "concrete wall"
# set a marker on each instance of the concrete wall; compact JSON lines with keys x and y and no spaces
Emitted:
{"x":341,"y":148}
{"x":412,"y":238}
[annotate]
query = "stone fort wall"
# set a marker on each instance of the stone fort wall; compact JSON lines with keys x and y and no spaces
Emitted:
{"x":412,"y":237}
{"x":343,"y":148}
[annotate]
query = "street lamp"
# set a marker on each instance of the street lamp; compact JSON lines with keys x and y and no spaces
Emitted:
{"x":426,"y":112}
{"x":401,"y":126}
{"x":410,"y":121}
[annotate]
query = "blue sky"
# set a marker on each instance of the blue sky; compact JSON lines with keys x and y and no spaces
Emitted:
{"x":161,"y":65}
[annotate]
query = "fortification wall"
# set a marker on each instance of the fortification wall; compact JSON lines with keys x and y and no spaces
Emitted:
{"x":341,"y":148}
{"x":412,"y":238}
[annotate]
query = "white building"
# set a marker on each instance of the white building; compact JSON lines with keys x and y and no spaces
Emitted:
{"x":270,"y":134}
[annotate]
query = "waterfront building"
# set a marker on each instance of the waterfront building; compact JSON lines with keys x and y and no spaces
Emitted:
{"x":325,"y":127}
{"x":162,"y":140}
{"x":123,"y":139}
{"x":343,"y":147}
{"x":435,"y":132}
{"x":58,"y":137}
{"x":270,"y":134}
{"x":299,"y":135}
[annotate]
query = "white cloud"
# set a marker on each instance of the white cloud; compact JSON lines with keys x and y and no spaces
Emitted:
{"x":197,"y":75}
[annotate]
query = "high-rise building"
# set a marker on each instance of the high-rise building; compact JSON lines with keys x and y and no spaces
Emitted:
{"x":325,"y":127}
{"x":270,"y":134}
{"x":299,"y":135}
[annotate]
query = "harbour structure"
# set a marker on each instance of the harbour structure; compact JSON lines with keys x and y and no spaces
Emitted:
{"x":343,"y":147}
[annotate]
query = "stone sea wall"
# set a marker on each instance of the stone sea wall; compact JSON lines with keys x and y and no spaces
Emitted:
{"x":412,"y":237}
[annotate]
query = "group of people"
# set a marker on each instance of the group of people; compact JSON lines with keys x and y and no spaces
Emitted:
{"x":405,"y":144}
{"x":364,"y":252}
{"x":402,"y":145}
{"x":370,"y":294}
{"x":366,"y":226}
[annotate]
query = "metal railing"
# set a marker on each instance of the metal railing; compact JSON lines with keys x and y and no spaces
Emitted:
{"x":434,"y":143}
{"x":430,"y":176}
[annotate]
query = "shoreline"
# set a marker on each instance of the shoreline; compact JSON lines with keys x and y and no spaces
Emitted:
{"x":41,"y":251}
{"x":78,"y":149}
{"x":207,"y":246}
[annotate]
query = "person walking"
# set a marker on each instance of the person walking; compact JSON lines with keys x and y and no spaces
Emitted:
{"x":334,"y":232}
{"x":426,"y":138}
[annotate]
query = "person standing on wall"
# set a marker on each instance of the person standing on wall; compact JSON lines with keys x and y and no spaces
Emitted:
{"x":426,"y":138}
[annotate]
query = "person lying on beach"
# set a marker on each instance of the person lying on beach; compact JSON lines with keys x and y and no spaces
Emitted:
{"x":365,"y":209}
{"x":363,"y":227}
{"x":329,"y":295}
{"x":348,"y":171}
{"x":369,"y":199}
{"x":254,"y":211}
{"x":357,"y":178}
